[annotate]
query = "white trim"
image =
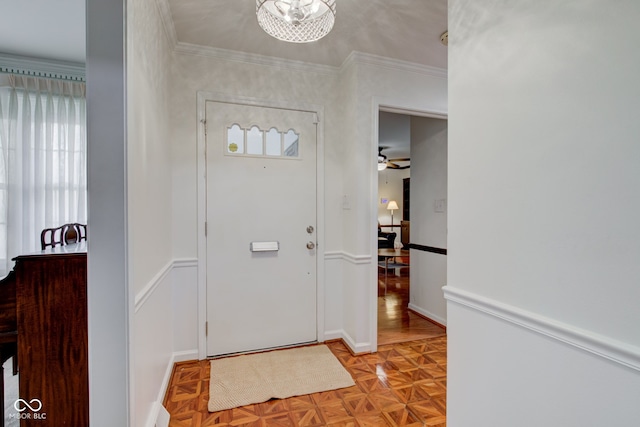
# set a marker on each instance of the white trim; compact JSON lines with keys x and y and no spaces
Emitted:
{"x":154,"y":414}
{"x":185,"y":262}
{"x":145,"y":293}
{"x":202,"y":98}
{"x":178,"y":356}
{"x":142,"y":296}
{"x":341,"y":334}
{"x":616,"y":351}
{"x":427,"y":314}
{"x":42,"y":68}
{"x":362,"y":58}
{"x":357,"y":348}
{"x":336,"y":334}
{"x":253,"y":58}
{"x":346,"y":256}
{"x":167,"y":22}
{"x":354,"y":57}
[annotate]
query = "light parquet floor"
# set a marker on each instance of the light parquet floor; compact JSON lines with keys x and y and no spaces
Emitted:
{"x":403,"y":384}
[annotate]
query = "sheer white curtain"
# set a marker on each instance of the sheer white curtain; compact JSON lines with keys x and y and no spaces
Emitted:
{"x":42,"y":162}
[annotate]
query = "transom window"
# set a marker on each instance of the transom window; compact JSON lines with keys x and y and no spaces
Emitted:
{"x":256,"y":142}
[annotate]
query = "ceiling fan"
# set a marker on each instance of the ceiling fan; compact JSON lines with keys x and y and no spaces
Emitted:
{"x":384,"y":163}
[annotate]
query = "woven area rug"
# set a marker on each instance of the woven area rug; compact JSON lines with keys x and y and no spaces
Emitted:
{"x":255,"y":378}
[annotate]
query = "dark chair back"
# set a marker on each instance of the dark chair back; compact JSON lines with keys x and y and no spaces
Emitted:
{"x":52,"y":237}
{"x":63,"y":235}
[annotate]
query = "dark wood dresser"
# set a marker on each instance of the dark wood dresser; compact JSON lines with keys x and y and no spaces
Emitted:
{"x":43,"y":306}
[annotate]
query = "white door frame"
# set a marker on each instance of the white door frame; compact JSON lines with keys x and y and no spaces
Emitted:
{"x":390,"y":106}
{"x":202,"y":98}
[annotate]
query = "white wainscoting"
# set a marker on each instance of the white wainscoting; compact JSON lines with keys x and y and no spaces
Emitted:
{"x":511,"y":368}
{"x":165,"y":332}
{"x":348,"y":285}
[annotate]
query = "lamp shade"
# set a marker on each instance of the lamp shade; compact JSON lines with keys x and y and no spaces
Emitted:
{"x":392,"y":205}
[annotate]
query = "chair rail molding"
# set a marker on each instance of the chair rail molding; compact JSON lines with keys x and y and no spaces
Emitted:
{"x":152,"y":285}
{"x":600,"y":345}
{"x":346,"y":256}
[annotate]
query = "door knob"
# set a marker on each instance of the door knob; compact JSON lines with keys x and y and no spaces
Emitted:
{"x":310,"y":229}
{"x":311,"y":245}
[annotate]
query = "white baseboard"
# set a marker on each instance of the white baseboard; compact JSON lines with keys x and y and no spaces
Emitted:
{"x":156,"y":416}
{"x":616,"y":351}
{"x":333,"y":335}
{"x":428,"y":314}
{"x":356,"y":348}
{"x":159,"y":416}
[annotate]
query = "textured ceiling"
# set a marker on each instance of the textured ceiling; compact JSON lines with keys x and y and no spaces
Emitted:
{"x":407,"y":30}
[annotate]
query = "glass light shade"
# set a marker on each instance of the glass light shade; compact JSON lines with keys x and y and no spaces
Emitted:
{"x":296,"y":21}
{"x":382,"y":166}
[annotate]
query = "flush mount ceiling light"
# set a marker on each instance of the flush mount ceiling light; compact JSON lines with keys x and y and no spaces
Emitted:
{"x":296,"y":21}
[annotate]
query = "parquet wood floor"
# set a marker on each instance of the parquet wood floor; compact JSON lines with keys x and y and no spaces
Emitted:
{"x":403,"y":384}
{"x":396,"y":323}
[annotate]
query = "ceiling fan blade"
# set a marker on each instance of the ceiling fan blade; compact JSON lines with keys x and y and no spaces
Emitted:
{"x":404,"y":159}
{"x":395,"y":166}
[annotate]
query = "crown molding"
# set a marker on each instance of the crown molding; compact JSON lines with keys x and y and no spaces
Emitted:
{"x":167,"y":21}
{"x":362,"y":58}
{"x":355,"y":57}
{"x":253,"y":58}
{"x":36,"y":67}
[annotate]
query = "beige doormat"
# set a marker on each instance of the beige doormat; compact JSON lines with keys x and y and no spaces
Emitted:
{"x":254,"y":378}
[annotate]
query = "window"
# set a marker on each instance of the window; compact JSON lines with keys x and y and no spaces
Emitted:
{"x":272,"y":143}
{"x":42,"y":162}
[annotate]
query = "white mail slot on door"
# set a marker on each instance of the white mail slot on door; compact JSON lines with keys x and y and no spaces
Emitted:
{"x":264,"y":246}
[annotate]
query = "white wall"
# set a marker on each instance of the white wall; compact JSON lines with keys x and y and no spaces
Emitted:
{"x":378,"y":86}
{"x":428,"y":272}
{"x":149,"y":188}
{"x":349,"y":161}
{"x":543,"y":207}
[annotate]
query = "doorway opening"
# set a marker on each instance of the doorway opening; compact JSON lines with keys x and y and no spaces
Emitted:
{"x":407,"y":144}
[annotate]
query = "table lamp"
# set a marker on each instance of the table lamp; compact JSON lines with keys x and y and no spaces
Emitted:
{"x":392,"y":205}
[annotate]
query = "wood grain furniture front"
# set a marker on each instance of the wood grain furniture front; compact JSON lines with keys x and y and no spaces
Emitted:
{"x":44,"y":307}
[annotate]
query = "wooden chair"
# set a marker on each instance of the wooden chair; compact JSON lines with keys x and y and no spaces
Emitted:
{"x":75,"y":233}
{"x":52,"y":237}
{"x":63,"y":235}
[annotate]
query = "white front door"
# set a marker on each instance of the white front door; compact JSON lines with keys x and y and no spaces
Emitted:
{"x":261,"y":221}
